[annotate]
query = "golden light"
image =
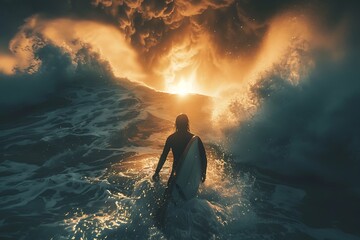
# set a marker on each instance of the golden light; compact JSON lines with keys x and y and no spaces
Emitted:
{"x":183,"y":86}
{"x":7,"y":64}
{"x":104,"y":39}
{"x":192,"y":64}
{"x":71,"y":35}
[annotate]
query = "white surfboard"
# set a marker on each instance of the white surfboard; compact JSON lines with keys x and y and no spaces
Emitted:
{"x":188,"y":175}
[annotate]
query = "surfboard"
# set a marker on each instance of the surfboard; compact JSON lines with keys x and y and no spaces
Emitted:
{"x":188,"y":174}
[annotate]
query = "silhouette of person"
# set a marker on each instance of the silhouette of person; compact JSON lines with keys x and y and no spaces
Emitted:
{"x":177,"y":142}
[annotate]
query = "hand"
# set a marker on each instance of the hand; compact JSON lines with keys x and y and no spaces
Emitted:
{"x":156,"y":177}
{"x":203,"y":178}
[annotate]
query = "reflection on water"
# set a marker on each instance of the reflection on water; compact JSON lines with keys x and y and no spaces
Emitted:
{"x":131,"y":200}
{"x":81,"y":170}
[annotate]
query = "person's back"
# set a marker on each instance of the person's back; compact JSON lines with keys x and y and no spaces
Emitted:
{"x":177,"y":142}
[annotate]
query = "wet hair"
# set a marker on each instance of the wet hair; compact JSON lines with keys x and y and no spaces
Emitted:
{"x":182,"y":123}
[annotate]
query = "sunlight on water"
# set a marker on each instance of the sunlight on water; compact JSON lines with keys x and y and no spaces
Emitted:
{"x":129,"y":203}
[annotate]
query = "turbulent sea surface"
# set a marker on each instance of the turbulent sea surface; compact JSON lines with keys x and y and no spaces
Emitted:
{"x":79,"y":167}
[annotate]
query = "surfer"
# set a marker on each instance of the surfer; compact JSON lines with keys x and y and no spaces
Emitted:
{"x":180,"y":142}
{"x":177,"y":142}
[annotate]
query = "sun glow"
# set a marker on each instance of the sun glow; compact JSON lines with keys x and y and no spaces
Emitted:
{"x":182,"y":86}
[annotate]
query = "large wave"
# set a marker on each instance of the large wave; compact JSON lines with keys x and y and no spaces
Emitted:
{"x":309,"y":130}
{"x":56,"y":70}
{"x":46,"y":55}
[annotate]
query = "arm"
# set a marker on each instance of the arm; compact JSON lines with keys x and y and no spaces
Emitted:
{"x":203,"y":160}
{"x":162,"y":160}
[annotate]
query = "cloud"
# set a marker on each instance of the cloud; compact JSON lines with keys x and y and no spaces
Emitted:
{"x":150,"y":25}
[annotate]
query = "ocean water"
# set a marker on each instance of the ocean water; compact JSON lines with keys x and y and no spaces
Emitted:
{"x":79,"y":166}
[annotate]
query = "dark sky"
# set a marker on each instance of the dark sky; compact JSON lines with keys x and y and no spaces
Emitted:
{"x":150,"y":24}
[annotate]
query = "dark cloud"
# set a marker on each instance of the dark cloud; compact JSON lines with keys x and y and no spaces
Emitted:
{"x":235,"y":26}
{"x":151,"y":25}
